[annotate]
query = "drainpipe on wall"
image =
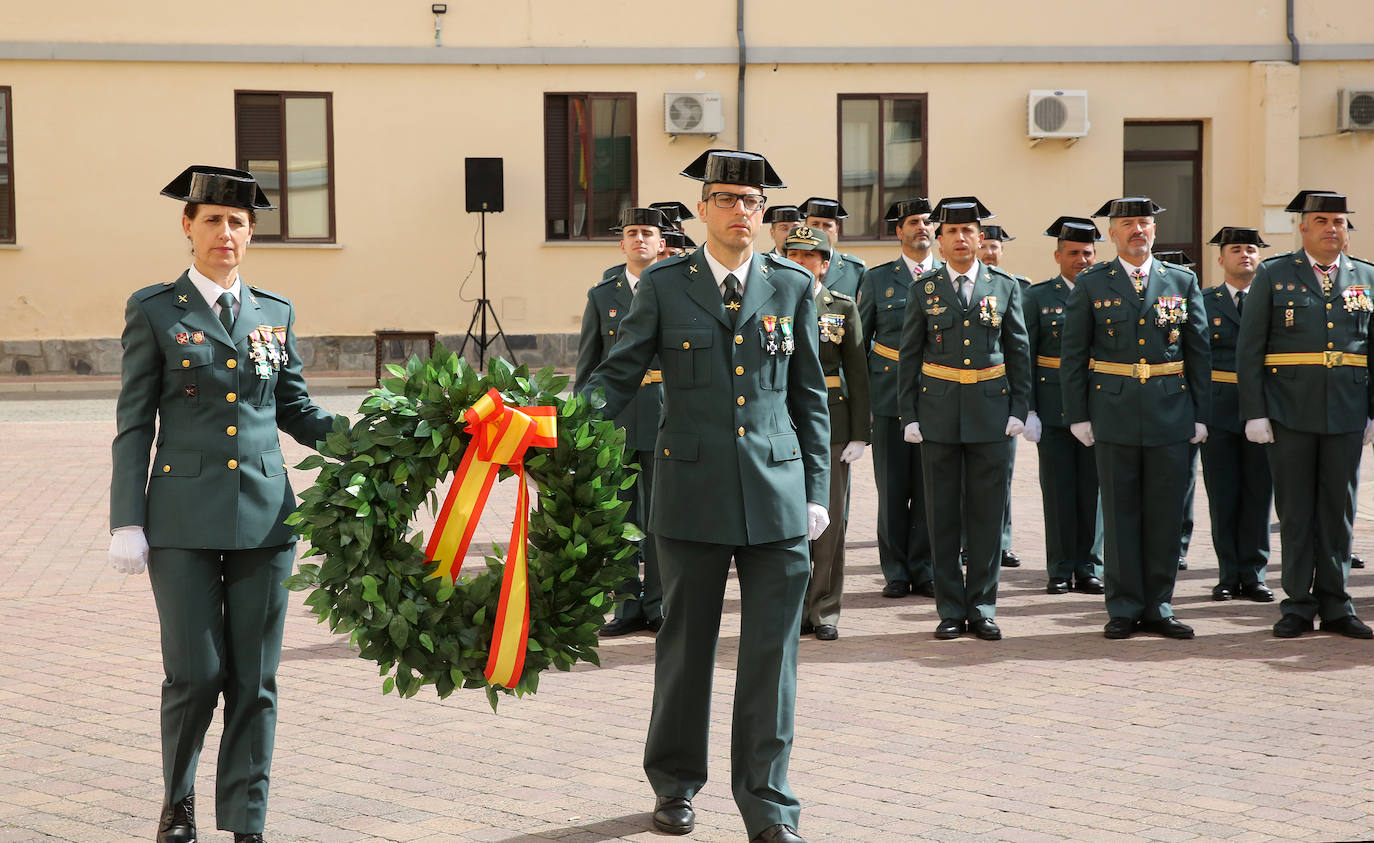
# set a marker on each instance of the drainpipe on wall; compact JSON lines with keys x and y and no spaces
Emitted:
{"x":739,"y":93}
{"x":1292,"y":39}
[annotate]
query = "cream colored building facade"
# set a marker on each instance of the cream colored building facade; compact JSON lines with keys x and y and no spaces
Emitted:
{"x":107,"y":102}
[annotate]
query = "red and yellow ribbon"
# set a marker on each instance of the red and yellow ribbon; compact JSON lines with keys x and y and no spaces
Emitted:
{"x":500,"y":436}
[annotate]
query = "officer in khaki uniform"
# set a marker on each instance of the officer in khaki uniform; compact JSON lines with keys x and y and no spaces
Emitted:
{"x":743,"y":474}
{"x":1139,"y":406}
{"x":1236,"y":471}
{"x":1068,"y":474}
{"x":641,"y":235}
{"x":903,"y":542}
{"x":846,"y":382}
{"x":846,"y":271}
{"x":1305,"y":389}
{"x":210,"y":372}
{"x":964,"y":382}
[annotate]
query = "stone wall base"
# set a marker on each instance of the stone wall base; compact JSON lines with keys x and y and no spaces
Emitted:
{"x":101,"y":357}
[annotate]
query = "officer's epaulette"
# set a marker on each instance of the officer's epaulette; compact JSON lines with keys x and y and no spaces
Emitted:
{"x":931,"y":274}
{"x":841,"y":296}
{"x":606,"y":280}
{"x":261,"y":293}
{"x":1360,"y":260}
{"x":853,"y":259}
{"x":997,"y":270}
{"x":1279,"y":257}
{"x":613,"y":271}
{"x":673,"y":261}
{"x":153,"y":290}
{"x":779,"y":261}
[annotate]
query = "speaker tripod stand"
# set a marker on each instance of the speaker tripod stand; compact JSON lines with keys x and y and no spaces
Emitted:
{"x":480,"y":313}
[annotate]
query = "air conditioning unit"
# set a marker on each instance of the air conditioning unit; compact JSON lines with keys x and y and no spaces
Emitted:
{"x":1057,"y":114}
{"x":693,"y":113}
{"x":1355,"y":110}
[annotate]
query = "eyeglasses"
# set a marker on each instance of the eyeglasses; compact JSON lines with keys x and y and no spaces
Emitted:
{"x":725,"y":199}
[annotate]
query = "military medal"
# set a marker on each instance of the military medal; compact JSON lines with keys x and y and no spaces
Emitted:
{"x":183,"y":338}
{"x":1357,"y":299}
{"x":930,"y":287}
{"x":1170,"y":310}
{"x":1173,"y":335}
{"x":987,"y":311}
{"x":197,"y":337}
{"x":888,"y":293}
{"x":770,"y":339}
{"x":1288,"y":318}
{"x":788,"y":343}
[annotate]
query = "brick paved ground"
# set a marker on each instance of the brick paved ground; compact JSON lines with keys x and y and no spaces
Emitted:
{"x":1053,"y":733}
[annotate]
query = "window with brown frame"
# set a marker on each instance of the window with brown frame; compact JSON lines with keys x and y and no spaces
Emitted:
{"x":883,"y":155}
{"x":286,"y":140}
{"x":1163,"y":160}
{"x":589,"y":163}
{"x":6,"y":169}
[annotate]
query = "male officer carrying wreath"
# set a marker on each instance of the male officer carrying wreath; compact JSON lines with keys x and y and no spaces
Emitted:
{"x":742,"y":473}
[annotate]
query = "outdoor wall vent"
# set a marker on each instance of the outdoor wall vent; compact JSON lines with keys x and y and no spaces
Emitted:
{"x":693,"y":113}
{"x":1355,"y":110}
{"x":1057,"y":114}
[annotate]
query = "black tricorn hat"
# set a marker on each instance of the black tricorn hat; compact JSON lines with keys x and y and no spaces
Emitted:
{"x":673,"y":212}
{"x":218,"y":186}
{"x":1331,"y":203}
{"x":1075,"y":229}
{"x":641,"y":216}
{"x":898,"y":211}
{"x":1129,"y":206}
{"x":1235,"y":234}
{"x":782,"y":213}
{"x":996,"y":232}
{"x":818,"y":206}
{"x":1177,"y":256}
{"x":1295,"y":206}
{"x":674,"y":239}
{"x":726,"y":166}
{"x":957,"y":209}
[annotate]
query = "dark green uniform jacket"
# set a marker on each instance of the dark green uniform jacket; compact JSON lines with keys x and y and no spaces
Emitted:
{"x":218,"y":478}
{"x":1223,"y":330}
{"x":882,"y":303}
{"x":1045,"y":307}
{"x":1286,"y":313}
{"x":607,"y":304}
{"x":844,"y":274}
{"x":744,"y":426}
{"x":1107,"y":321}
{"x":989,"y":332}
{"x":841,"y":351}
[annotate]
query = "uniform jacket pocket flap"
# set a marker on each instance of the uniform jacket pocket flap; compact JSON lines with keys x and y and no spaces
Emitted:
{"x":191,"y":356}
{"x":171,"y":463}
{"x":273,"y":463}
{"x":686,"y":339}
{"x":785,"y":446}
{"x":678,"y":446}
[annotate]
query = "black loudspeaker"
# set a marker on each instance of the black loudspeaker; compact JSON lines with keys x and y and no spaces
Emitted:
{"x":485,"y":190}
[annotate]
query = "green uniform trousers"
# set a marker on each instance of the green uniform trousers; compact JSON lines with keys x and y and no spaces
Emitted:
{"x":646,"y":595}
{"x":903,"y":541}
{"x":1239,"y":493}
{"x":1185,"y":530}
{"x":1315,"y":477}
{"x":979,"y":502}
{"x":1073,"y":509}
{"x":772,"y":585}
{"x":827,"y":552}
{"x":1142,"y":505}
{"x":221,"y":614}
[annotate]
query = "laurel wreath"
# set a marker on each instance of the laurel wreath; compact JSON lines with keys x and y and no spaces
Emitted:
{"x":373,"y":583}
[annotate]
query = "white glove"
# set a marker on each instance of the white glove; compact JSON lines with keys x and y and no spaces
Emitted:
{"x":1369,"y":431}
{"x":1200,"y":433}
{"x":1014,"y":426}
{"x":912,"y":433}
{"x":1259,"y":431}
{"x":1033,"y":427}
{"x":1083,"y":432}
{"x":817,"y":519}
{"x":129,"y":550}
{"x":853,"y":452}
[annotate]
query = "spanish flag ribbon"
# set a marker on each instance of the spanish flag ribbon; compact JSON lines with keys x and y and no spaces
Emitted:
{"x":500,"y":436}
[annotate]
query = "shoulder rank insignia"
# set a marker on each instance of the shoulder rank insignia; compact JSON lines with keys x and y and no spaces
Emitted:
{"x":764,"y":269}
{"x":1160,"y":270}
{"x":1111,"y":272}
{"x":181,"y":299}
{"x":692,"y":268}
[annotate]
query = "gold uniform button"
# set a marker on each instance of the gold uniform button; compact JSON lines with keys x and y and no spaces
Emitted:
{"x":966,"y":342}
{"x":739,"y":370}
{"x":965,"y":323}
{"x":686,"y":344}
{"x":1142,"y":321}
{"x":740,"y":431}
{"x":166,"y":468}
{"x":665,"y":452}
{"x":231,"y":398}
{"x":1328,"y":305}
{"x":612,"y":333}
{"x":231,"y":363}
{"x":231,"y":430}
{"x":1330,"y":345}
{"x":1273,"y":371}
{"x":740,"y":400}
{"x":233,"y":463}
{"x":739,"y":338}
{"x":1142,"y":360}
{"x":185,"y":364}
{"x":968,"y":362}
{"x":1330,"y":325}
{"x":1141,"y":341}
{"x":887,"y":368}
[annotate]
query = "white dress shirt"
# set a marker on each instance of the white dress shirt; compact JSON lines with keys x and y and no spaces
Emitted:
{"x":212,"y":291}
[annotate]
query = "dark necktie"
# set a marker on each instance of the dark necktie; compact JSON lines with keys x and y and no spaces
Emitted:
{"x":1240,"y":301}
{"x":732,"y":297}
{"x":226,"y":312}
{"x":964,"y":291}
{"x":1324,"y":272}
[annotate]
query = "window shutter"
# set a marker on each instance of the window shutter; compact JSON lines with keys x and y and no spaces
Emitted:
{"x":259,"y":127}
{"x":557,"y":198}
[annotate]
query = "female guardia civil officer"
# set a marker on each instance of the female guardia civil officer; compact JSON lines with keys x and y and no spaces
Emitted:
{"x":210,"y":365}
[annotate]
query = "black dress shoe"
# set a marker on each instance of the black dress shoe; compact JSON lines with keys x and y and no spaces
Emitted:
{"x":1291,"y":626}
{"x":1058,"y":585}
{"x":1089,"y":585}
{"x":1170,"y":627}
{"x":1118,"y":628}
{"x":826,"y":632}
{"x":1356,"y":562}
{"x":777,"y":834}
{"x":1223,"y":592}
{"x":986,"y":629}
{"x":254,"y":837}
{"x":1259,"y":592}
{"x":622,"y":626}
{"x":674,"y":815}
{"x":1349,"y":626}
{"x":654,"y":625}
{"x":949,"y":629}
{"x":178,"y":822}
{"x":1182,"y":564}
{"x":1010,"y":560}
{"x":925,"y":589}
{"x":896,"y":588}
{"x":807,"y":628}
